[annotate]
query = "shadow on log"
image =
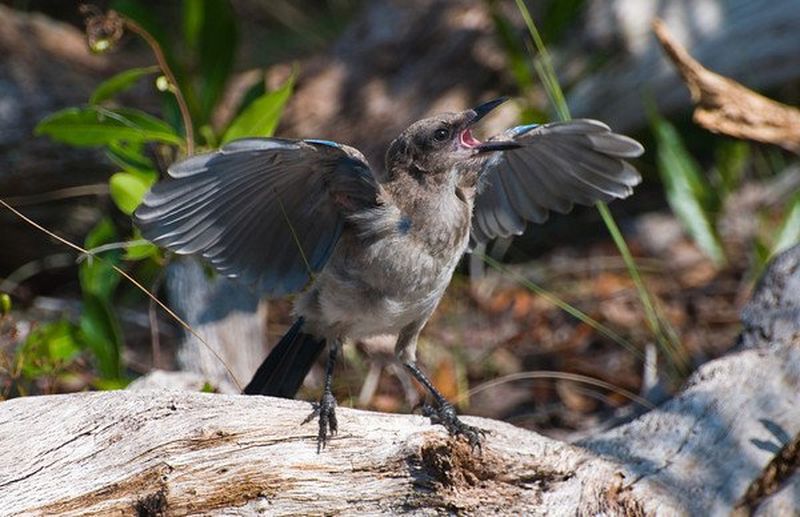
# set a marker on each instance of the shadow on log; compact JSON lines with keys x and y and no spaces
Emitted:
{"x":725,"y":442}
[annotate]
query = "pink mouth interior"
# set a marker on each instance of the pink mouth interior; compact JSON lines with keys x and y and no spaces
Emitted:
{"x":467,"y":140}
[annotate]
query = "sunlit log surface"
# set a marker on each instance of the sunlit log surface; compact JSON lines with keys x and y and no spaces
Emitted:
{"x":728,"y":441}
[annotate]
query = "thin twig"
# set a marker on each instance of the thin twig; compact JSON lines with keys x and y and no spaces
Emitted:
{"x":564,"y":306}
{"x":155,"y":339}
{"x":110,"y":247}
{"x":97,"y":189}
{"x":162,"y":63}
{"x":133,"y":281}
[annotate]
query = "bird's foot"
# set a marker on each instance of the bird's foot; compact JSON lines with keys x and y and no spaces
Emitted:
{"x":445,"y":414}
{"x":325,"y":409}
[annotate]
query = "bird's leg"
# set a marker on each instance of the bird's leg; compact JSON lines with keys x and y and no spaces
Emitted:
{"x":443,"y":412}
{"x":325,"y":409}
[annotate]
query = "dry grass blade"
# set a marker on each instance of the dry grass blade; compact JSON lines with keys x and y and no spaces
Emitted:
{"x":133,"y":281}
{"x":544,"y":374}
{"x":98,"y":189}
{"x":659,"y":325}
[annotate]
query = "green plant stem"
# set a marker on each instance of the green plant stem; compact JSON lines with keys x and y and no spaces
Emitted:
{"x":665,"y":335}
{"x":658,"y":326}
{"x":546,"y":73}
{"x":167,"y":71}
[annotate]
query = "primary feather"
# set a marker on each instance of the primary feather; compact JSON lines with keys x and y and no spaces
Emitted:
{"x":268,"y":211}
{"x":557,"y":165}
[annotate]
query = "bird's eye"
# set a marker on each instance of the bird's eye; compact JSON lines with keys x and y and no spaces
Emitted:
{"x":441,"y":134}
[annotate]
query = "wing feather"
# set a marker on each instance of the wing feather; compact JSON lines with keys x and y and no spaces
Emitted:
{"x":268,"y":211}
{"x":557,"y":165}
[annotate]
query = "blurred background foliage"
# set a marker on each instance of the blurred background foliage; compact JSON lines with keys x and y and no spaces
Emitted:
{"x":685,"y":228}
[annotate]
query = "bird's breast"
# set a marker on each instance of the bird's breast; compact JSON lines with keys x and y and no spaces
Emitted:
{"x":379,"y":282}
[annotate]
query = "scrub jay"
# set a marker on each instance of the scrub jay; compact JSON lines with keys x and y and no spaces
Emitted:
{"x":371,"y":252}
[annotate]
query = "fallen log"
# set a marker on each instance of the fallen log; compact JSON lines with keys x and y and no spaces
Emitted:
{"x":727,"y":441}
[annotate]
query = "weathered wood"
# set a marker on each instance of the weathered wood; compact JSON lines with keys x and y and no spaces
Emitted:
{"x":727,"y":441}
{"x":725,"y":106}
{"x":751,"y":41}
{"x":110,"y":452}
{"x":100,"y":453}
{"x":229,"y":316}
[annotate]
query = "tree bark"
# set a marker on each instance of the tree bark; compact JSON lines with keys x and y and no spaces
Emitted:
{"x":727,"y":442}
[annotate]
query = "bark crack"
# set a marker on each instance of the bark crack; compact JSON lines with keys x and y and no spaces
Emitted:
{"x":668,"y":461}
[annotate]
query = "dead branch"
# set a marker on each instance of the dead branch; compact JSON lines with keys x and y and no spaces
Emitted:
{"x":725,"y":106}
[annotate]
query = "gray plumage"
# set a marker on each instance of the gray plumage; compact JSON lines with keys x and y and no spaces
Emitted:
{"x":265,"y":211}
{"x":372,"y":253}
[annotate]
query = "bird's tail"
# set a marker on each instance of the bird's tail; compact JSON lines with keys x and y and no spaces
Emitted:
{"x":282,"y":372}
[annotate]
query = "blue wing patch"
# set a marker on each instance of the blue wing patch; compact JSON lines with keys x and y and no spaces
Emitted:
{"x":404,"y":225}
{"x":521,"y":130}
{"x":322,"y":142}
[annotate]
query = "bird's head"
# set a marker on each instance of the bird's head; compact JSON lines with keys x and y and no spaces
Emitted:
{"x":437,"y":145}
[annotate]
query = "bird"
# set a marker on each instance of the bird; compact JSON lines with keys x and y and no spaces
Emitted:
{"x":368,"y":251}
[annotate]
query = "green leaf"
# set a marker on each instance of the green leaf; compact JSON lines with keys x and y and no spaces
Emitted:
{"x":687,"y":192}
{"x":102,"y":233}
{"x":253,"y":92}
{"x":262,"y":115}
{"x":216,"y":42}
{"x":102,"y":334}
{"x":5,"y":304}
{"x":208,"y":388}
{"x":760,"y":256}
{"x":789,"y":232}
{"x":140,"y":251}
{"x":209,"y":138}
{"x":732,"y":158}
{"x":95,"y":126}
{"x":110,"y":384}
{"x":193,"y":15}
{"x":127,"y":190}
{"x":119,"y":83}
{"x":131,"y":157}
{"x":98,"y":277}
{"x":49,"y":348}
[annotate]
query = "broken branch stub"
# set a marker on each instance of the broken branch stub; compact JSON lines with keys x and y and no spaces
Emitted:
{"x":725,"y":106}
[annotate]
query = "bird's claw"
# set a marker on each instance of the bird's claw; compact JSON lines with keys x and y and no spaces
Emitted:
{"x":445,"y":414}
{"x":325,"y":409}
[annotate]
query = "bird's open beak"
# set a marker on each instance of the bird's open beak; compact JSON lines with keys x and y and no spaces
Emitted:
{"x":484,"y":109}
{"x":467,"y":140}
{"x":500,"y":145}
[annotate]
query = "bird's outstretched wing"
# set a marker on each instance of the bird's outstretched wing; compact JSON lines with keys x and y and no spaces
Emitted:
{"x":556,"y":166}
{"x":268,"y":211}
